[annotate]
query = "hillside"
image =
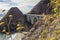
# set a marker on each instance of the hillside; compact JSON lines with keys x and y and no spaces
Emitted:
{"x":41,"y":7}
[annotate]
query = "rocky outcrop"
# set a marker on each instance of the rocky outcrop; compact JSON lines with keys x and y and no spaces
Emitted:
{"x":41,"y":7}
{"x":12,"y":18}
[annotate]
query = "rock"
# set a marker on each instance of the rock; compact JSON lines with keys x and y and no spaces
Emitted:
{"x":13,"y":17}
{"x":41,"y":7}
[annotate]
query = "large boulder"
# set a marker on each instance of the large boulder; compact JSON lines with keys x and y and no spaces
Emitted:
{"x":13,"y":17}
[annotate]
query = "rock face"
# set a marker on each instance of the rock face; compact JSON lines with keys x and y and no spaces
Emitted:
{"x":13,"y":17}
{"x":41,"y":7}
{"x":17,"y":15}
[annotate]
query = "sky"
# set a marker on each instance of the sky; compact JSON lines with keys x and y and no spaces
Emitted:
{"x":24,"y":5}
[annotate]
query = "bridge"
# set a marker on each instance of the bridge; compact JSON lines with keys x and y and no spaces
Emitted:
{"x":32,"y":18}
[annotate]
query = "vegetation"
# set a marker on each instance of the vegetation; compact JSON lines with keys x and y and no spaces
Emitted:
{"x":47,"y":28}
{"x":52,"y":30}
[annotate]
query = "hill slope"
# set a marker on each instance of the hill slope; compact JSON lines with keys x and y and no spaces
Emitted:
{"x":41,"y":7}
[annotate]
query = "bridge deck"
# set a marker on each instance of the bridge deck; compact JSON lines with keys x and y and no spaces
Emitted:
{"x":32,"y":18}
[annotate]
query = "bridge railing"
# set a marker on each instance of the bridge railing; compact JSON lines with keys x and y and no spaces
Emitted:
{"x":32,"y":18}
